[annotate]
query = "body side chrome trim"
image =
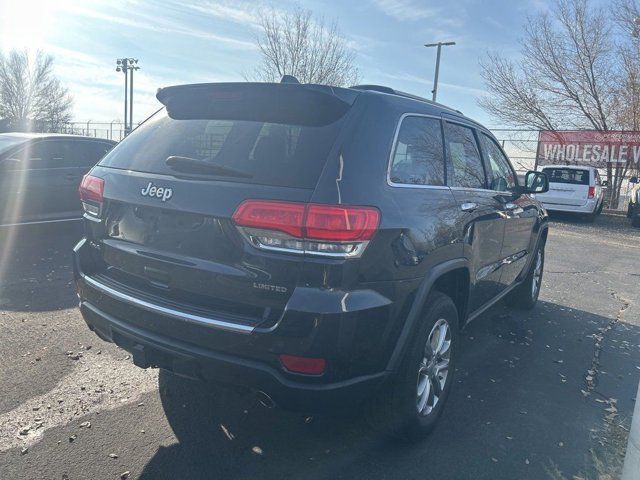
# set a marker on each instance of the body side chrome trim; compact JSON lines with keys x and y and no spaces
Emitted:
{"x":188,"y":317}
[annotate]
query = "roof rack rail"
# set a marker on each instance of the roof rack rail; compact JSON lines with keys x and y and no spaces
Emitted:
{"x":391,"y":91}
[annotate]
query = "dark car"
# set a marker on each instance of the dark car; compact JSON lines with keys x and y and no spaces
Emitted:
{"x":322,"y":246}
{"x":40,"y":175}
{"x":633,"y":209}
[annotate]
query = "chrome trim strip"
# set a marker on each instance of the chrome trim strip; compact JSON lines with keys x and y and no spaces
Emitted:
{"x":40,"y":222}
{"x":484,"y":190}
{"x":250,"y":236}
{"x":357,"y":252}
{"x":188,"y":317}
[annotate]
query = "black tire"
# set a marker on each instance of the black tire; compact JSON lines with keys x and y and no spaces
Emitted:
{"x":524,"y":297}
{"x":591,"y":217}
{"x":635,"y":220}
{"x":600,"y":208}
{"x":395,"y":410}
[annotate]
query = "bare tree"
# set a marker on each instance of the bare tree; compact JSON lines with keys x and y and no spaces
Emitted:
{"x":294,"y":43}
{"x":626,"y":14}
{"x":31,"y":97}
{"x":568,"y":76}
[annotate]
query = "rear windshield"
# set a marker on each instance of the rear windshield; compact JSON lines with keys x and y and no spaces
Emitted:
{"x":265,"y":153}
{"x":567,"y":175}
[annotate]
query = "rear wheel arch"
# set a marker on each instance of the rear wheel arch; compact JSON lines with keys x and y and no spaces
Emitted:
{"x":543,"y":236}
{"x":444,"y":278}
{"x":455,"y":284}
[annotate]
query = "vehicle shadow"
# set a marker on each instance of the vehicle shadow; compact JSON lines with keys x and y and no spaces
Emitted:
{"x":35,"y":266}
{"x":604,"y":220}
{"x":517,"y":395}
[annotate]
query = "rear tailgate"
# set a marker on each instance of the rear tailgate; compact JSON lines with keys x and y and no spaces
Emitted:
{"x":567,"y":186}
{"x":166,"y":235}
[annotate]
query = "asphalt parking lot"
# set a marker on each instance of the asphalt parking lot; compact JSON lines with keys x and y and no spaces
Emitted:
{"x":543,"y":394}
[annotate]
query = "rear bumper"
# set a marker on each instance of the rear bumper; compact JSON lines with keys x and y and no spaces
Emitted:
{"x":184,"y":344}
{"x":588,"y":207}
{"x":150,"y":350}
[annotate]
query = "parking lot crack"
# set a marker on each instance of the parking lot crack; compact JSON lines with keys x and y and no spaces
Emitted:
{"x":591,"y":377}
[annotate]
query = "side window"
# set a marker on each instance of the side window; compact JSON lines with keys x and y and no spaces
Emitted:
{"x":418,"y":157}
{"x":38,"y":155}
{"x":501,"y":176}
{"x":465,"y":165}
{"x":83,"y":153}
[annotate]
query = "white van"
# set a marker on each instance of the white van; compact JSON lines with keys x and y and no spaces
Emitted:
{"x":573,"y":188}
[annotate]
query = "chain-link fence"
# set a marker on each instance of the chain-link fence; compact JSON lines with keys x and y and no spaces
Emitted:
{"x":109,"y":130}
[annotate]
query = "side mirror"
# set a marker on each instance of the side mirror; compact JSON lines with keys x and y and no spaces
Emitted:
{"x":536,"y":182}
{"x":605,"y":183}
{"x":633,"y":179}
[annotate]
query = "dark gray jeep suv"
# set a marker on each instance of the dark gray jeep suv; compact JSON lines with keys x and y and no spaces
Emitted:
{"x":320,"y":245}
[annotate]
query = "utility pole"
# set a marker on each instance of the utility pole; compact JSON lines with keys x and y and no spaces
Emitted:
{"x":435,"y":80}
{"x":127,"y":66}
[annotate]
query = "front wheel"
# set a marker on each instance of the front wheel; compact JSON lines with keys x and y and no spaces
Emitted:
{"x":412,"y":404}
{"x":525,"y":295}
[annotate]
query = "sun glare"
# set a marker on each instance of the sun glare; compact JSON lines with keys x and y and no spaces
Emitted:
{"x":26,"y":23}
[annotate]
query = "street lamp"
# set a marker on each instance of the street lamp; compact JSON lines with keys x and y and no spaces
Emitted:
{"x":127,"y":66}
{"x":435,"y":80}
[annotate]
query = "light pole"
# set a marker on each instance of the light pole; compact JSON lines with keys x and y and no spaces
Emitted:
{"x":435,"y":80}
{"x":127,"y":66}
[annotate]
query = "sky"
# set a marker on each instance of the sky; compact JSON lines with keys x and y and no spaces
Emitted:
{"x":193,"y":41}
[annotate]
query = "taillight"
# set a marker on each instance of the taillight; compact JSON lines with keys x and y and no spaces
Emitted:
{"x":281,"y":216}
{"x":92,"y":194}
{"x":305,"y":365}
{"x":592,"y":192}
{"x":332,"y":230}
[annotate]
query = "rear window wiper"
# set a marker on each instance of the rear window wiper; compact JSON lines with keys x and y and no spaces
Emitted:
{"x":195,"y":165}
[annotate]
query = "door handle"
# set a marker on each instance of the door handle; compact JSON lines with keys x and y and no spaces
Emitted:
{"x":468,"y":206}
{"x":513,"y":208}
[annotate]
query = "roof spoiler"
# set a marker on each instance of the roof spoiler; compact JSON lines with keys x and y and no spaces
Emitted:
{"x":284,"y":103}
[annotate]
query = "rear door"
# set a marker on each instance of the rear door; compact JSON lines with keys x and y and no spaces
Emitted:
{"x":567,"y":186}
{"x":34,"y":177}
{"x":167,"y":232}
{"x":519,"y":211}
{"x":481,"y":212}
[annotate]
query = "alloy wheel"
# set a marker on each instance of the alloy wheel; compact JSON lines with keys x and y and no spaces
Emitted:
{"x":434,"y":367}
{"x":537,"y":275}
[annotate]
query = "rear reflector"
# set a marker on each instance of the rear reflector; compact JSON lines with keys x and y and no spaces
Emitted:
{"x":592,"y":192}
{"x":92,"y":194}
{"x":307,"y":366}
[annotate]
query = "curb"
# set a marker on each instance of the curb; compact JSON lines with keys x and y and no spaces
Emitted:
{"x":614,"y":213}
{"x":631,"y":470}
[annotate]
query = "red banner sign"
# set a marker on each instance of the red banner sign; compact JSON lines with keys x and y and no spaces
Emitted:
{"x":588,"y":147}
